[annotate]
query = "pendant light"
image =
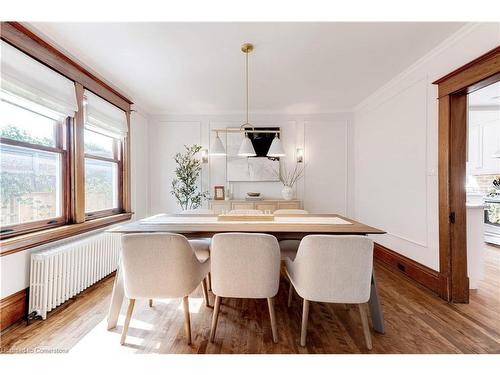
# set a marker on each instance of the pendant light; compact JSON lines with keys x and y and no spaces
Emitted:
{"x":217,"y":147}
{"x":246,"y":148}
{"x":276,"y":149}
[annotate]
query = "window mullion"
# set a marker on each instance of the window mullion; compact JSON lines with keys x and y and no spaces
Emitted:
{"x":78,"y":160}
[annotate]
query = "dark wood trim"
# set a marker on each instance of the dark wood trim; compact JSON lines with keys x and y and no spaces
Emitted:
{"x":34,"y":146}
{"x":78,"y":160}
{"x":125,"y":180}
{"x":452,"y":139}
{"x":102,"y":158}
{"x":13,"y":308}
{"x":443,"y":194}
{"x":470,"y":74}
{"x":9,"y":231}
{"x":457,"y":196}
{"x":27,"y":241}
{"x":472,"y":64}
{"x":102,"y":213}
{"x":408,"y":267}
{"x":25,"y":40}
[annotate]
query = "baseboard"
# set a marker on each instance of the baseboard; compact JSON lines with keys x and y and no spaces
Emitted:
{"x":13,"y":308}
{"x":418,"y":272}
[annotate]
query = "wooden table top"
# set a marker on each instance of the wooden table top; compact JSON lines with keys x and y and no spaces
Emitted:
{"x":208,"y":225}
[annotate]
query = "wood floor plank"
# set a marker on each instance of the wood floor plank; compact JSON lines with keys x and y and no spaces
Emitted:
{"x":416,"y":320}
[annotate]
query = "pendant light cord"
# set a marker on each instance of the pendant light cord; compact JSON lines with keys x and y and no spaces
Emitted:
{"x":246,"y":56}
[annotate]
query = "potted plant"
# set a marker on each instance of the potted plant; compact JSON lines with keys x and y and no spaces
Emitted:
{"x":289,"y":178}
{"x":184,"y":185}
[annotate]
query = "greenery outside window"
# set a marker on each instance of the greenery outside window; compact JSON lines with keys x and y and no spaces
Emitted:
{"x":102,"y":174}
{"x":32,"y":173}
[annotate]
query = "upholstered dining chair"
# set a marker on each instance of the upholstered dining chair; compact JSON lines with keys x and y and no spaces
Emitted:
{"x":201,"y":246}
{"x":289,"y":248}
{"x":332,"y":269}
{"x":161,"y":265}
{"x":246,"y":212}
{"x":245,"y":265}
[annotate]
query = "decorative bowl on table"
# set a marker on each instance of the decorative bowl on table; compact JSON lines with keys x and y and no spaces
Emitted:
{"x":253,"y":194}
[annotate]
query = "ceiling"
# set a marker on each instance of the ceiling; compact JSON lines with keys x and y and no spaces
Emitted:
{"x":199,"y":68}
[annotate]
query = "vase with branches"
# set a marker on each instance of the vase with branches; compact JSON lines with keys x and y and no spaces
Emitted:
{"x":184,"y":185}
{"x":289,"y":178}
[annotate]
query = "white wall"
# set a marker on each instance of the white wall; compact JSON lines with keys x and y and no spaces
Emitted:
{"x":14,"y":268}
{"x":325,"y":139}
{"x":396,"y":148}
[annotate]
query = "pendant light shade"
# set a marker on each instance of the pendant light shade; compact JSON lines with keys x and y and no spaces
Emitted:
{"x":246,"y":148}
{"x":217,"y":147}
{"x":276,"y":149}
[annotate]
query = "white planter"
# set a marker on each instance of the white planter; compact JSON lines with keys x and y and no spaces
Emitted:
{"x":287,"y":193}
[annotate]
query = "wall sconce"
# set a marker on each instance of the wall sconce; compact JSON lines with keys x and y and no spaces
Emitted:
{"x":204,"y":155}
{"x":300,"y":155}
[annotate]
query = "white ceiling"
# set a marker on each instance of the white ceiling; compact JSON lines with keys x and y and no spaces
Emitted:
{"x":199,"y":68}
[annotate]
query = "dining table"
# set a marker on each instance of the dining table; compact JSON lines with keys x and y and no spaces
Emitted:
{"x":283,"y":227}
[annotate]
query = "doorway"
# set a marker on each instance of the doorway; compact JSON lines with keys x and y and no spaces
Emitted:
{"x":453,"y":91}
{"x":483,"y":186}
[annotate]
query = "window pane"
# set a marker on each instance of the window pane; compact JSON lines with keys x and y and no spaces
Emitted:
{"x":101,"y":185}
{"x":30,"y":185}
{"x":20,"y":124}
{"x":98,"y":144}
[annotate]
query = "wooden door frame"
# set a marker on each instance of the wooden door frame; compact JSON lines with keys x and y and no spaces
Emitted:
{"x":452,"y":98}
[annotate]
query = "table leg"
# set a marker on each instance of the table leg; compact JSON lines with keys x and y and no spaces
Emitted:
{"x":117,"y":297}
{"x":375,"y":308}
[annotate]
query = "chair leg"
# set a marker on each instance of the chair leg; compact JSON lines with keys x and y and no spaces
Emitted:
{"x":187,"y":320}
{"x":150,"y":303}
{"x":305,"y":317}
{"x":131,"y":303}
{"x":215,"y":316}
{"x":209,"y":279}
{"x":272,"y":315}
{"x":290,"y":295}
{"x":205,"y":292}
{"x":366,"y":328}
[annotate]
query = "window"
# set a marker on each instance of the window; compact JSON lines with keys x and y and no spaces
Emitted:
{"x":63,"y":150}
{"x":31,"y":170}
{"x":102,"y":174}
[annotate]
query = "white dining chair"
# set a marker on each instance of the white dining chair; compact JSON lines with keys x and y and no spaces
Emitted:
{"x":245,"y":265}
{"x":246,"y":212}
{"x":332,"y":269}
{"x":160,"y":265}
{"x":289,"y":247}
{"x":201,"y":246}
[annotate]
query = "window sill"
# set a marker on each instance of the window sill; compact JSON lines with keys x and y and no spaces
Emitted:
{"x":26,"y":241}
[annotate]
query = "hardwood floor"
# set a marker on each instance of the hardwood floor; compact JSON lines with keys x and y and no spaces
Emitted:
{"x":417,"y":321}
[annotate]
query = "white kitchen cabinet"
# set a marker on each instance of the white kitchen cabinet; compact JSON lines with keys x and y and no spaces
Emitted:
{"x":483,"y":142}
{"x":474,"y":147}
